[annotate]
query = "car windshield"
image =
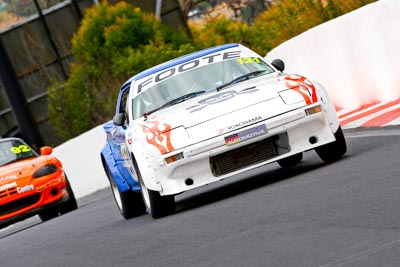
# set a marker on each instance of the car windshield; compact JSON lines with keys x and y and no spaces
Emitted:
{"x":196,"y":81}
{"x":13,"y":150}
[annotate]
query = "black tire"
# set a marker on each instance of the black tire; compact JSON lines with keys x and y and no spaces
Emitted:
{"x":68,"y":206}
{"x":71,"y":204}
{"x":48,"y":214}
{"x":290,"y":161}
{"x":130,"y":204}
{"x":335,"y":150}
{"x":158,"y":206}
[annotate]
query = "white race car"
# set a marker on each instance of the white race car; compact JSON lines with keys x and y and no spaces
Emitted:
{"x":215,"y":113}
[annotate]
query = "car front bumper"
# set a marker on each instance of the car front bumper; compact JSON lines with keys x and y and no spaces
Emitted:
{"x":213,"y":160}
{"x":49,"y":194}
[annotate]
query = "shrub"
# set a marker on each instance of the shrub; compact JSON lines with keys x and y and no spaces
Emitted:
{"x":220,"y":30}
{"x":113,"y":43}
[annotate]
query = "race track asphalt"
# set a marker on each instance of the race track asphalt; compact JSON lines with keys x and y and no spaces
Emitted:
{"x":341,"y":214}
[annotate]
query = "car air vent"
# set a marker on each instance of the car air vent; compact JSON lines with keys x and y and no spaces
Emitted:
{"x":243,"y":156}
{"x":19,"y":204}
{"x":7,"y":192}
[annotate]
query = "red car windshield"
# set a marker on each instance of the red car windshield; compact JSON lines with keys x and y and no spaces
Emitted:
{"x":12,"y":150}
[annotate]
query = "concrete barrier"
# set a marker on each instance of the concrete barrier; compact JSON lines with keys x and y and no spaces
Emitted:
{"x":355,"y":56}
{"x":80,"y":157}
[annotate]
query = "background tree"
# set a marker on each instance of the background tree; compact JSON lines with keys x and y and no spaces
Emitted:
{"x":113,"y":43}
{"x":246,"y":10}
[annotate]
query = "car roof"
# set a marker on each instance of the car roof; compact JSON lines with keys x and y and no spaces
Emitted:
{"x":6,"y":139}
{"x":177,"y":61}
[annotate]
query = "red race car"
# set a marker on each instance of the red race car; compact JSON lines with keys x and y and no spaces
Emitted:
{"x":31,"y":184}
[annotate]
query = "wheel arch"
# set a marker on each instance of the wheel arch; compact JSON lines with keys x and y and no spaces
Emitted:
{"x":328,"y":106}
{"x":109,"y":164}
{"x":149,"y":182}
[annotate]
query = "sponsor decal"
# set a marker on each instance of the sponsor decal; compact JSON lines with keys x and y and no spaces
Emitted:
{"x":240,"y":124}
{"x":124,"y":152}
{"x":49,"y":184}
{"x":245,"y":135}
{"x":159,"y":135}
{"x":9,"y":177}
{"x":303,"y":86}
{"x":8,"y":186}
{"x":129,"y":138}
{"x":25,"y":188}
{"x":218,"y":98}
{"x":147,"y":82}
{"x":127,"y":160}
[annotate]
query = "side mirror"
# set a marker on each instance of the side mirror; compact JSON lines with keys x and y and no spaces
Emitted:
{"x":278,"y":64}
{"x":46,"y":150}
{"x":119,"y":119}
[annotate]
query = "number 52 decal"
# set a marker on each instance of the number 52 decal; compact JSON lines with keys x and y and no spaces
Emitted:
{"x":20,"y":149}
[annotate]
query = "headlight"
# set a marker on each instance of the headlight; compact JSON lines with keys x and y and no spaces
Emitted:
{"x":45,"y":170}
{"x":174,"y":158}
{"x":313,"y":110}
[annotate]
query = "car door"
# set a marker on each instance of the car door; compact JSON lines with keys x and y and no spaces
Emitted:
{"x":116,"y":140}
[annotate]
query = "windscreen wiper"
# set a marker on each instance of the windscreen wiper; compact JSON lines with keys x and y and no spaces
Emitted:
{"x":175,"y":101}
{"x":242,"y":78}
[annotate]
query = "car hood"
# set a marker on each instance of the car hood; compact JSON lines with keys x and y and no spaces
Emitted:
{"x":220,"y":112}
{"x":20,"y":172}
{"x":230,"y":99}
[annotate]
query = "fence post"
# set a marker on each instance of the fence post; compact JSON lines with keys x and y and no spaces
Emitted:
{"x":52,"y":43}
{"x":16,"y":98}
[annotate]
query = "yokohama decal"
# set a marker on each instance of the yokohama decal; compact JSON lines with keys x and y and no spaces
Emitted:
{"x":158,"y":135}
{"x":302,"y":86}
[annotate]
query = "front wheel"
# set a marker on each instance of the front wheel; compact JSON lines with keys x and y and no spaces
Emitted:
{"x":335,"y":150}
{"x":68,"y":206}
{"x":130,"y":204}
{"x":158,"y":206}
{"x":71,"y":204}
{"x":48,"y":214}
{"x":290,"y":161}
